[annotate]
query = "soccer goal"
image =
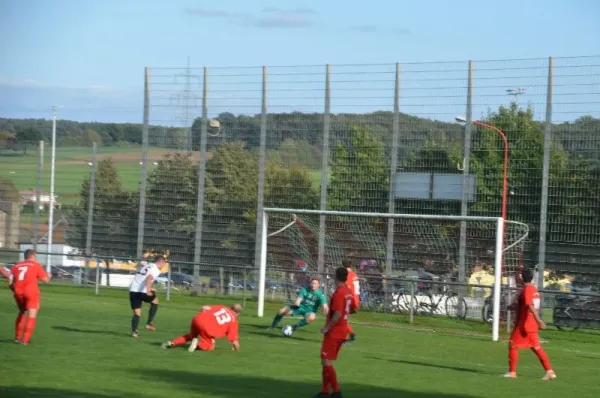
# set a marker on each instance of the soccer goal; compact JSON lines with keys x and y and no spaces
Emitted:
{"x":298,"y":244}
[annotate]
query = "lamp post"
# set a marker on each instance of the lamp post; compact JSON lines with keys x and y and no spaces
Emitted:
{"x":463,"y":120}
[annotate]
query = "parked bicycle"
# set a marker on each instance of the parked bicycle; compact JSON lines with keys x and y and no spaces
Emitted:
{"x":428,"y":300}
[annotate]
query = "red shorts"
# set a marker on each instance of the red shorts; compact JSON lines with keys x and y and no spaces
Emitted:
{"x":331,"y":347}
{"x":27,"y":302}
{"x":207,"y":342}
{"x":522,"y":339}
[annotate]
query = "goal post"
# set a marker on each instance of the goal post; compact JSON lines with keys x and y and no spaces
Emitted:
{"x":292,"y":235}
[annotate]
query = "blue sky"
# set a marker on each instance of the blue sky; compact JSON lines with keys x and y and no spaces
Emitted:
{"x":89,"y":56}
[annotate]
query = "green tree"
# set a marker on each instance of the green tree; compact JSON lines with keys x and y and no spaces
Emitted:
{"x":359,"y":173}
{"x":115,"y":214}
{"x":9,"y":191}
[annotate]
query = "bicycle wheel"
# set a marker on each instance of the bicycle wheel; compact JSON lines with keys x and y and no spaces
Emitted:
{"x":487,"y":312}
{"x":452,"y":309}
{"x":563,"y":320}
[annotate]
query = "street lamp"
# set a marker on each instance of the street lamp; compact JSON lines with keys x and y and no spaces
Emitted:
{"x":463,"y":120}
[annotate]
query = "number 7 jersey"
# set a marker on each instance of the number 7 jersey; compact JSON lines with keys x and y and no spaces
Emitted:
{"x":25,"y":276}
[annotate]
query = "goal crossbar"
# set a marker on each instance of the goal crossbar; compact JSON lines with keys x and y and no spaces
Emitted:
{"x":499,"y":242}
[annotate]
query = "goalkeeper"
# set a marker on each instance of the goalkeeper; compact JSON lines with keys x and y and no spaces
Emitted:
{"x":306,"y":305}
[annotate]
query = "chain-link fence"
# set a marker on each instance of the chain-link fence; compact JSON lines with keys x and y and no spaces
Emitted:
{"x":219,"y":144}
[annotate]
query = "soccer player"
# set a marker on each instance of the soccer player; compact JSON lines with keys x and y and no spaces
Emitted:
{"x":335,"y":332}
{"x":306,"y":305}
{"x":353,"y":283}
{"x":141,"y":291}
{"x":24,"y":284}
{"x":525,"y":332}
{"x":213,"y":322}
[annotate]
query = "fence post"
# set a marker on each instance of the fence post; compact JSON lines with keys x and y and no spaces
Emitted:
{"x":201,"y":178}
{"x":38,"y":194}
{"x":545,"y":178}
{"x":90,"y":220}
{"x":143,"y":177}
{"x":392,"y":195}
{"x":261,"y":172}
{"x":324,"y":173}
{"x":464,"y":206}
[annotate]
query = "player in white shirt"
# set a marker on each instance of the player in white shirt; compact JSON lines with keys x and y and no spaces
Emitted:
{"x":141,"y":291}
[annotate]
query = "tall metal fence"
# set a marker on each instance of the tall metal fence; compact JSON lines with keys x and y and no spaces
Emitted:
{"x":218,"y":144}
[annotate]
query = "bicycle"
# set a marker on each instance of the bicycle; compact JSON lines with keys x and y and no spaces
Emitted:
{"x":428,"y":304}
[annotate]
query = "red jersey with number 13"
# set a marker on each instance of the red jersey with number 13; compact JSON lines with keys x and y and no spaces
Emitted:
{"x":25,"y":277}
{"x":341,"y":300}
{"x":219,"y":321}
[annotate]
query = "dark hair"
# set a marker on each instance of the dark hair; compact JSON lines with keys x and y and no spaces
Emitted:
{"x":29,"y":253}
{"x":347,"y":263}
{"x":159,"y":258}
{"x":341,"y":274}
{"x":315,"y":278}
{"x":527,"y":275}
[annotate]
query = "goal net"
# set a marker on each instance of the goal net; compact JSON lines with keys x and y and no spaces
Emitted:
{"x":405,"y":262}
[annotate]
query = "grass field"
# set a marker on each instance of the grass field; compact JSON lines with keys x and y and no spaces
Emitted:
{"x":82,"y":348}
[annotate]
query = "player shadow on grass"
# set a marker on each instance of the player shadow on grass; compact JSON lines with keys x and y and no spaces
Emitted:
{"x":22,"y":391}
{"x":275,"y":334}
{"x":233,"y":386}
{"x":430,"y":365}
{"x":103,"y":332}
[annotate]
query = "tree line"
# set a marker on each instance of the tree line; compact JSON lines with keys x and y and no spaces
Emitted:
{"x":358,"y":180}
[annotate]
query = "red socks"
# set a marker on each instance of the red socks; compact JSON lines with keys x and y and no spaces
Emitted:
{"x":29,"y":328}
{"x":541,"y":354}
{"x":329,"y":379}
{"x":19,"y":325}
{"x":513,"y":359}
{"x":182,"y":339}
{"x":350,"y":330}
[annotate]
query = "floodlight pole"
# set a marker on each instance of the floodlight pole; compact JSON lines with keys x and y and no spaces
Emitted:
{"x":51,"y":209}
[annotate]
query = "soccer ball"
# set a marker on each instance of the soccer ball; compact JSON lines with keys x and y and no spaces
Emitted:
{"x":287,"y":331}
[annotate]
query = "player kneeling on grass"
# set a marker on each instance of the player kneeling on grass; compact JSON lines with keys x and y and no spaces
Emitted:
{"x":24,"y":277}
{"x":306,"y":305}
{"x":141,"y":291}
{"x":525,"y":332}
{"x":335,"y":332}
{"x":213,"y":322}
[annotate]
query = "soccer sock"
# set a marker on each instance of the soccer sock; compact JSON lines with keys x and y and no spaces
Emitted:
{"x":182,"y":339}
{"x":152,"y":313}
{"x":325,"y":376}
{"x":301,"y":322}
{"x":333,"y":380}
{"x":29,"y":328}
{"x":513,"y":358}
{"x":276,"y":320}
{"x":135,"y":321}
{"x":350,"y":330}
{"x":545,"y":361}
{"x":19,"y":325}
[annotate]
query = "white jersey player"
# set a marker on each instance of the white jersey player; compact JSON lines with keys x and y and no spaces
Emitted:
{"x":141,"y":291}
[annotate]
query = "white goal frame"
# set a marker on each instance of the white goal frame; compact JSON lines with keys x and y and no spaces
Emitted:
{"x":497,"y":259}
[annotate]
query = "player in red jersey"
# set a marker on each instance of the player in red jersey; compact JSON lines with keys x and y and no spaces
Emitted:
{"x":335,"y":332}
{"x":353,"y":283}
{"x":525,"y":332}
{"x":24,"y":284}
{"x":212,"y":322}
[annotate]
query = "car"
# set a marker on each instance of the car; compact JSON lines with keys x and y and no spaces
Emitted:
{"x":177,"y":279}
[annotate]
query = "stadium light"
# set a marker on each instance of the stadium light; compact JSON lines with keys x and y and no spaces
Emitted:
{"x":463,"y":120}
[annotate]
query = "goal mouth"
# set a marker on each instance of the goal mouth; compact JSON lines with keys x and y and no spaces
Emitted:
{"x":300,"y":243}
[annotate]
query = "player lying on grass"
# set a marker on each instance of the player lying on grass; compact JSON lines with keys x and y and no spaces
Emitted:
{"x":213,"y":322}
{"x":141,"y":291}
{"x":335,"y":333}
{"x":24,"y":277}
{"x":306,"y":305}
{"x":525,"y":332}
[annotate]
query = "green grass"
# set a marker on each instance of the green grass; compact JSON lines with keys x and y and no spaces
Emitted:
{"x":71,"y":168}
{"x":82,"y":348}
